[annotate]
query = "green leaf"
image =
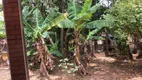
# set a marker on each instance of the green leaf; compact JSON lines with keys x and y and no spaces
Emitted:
{"x":74,"y":9}
{"x":53,"y":47}
{"x":27,"y":12}
{"x":88,"y":14}
{"x":55,"y":21}
{"x":48,"y":20}
{"x":30,"y":52}
{"x":57,"y":53}
{"x":2,"y":33}
{"x":99,"y":24}
{"x":97,"y":38}
{"x":91,"y":33}
{"x":45,"y":34}
{"x":66,"y":24}
{"x":38,"y":17}
{"x":86,"y":6}
{"x":1,"y":20}
{"x":28,"y":26}
{"x":94,"y":8}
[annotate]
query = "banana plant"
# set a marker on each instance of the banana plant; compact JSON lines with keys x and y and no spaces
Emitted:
{"x":107,"y":22}
{"x":79,"y":18}
{"x":37,"y":30}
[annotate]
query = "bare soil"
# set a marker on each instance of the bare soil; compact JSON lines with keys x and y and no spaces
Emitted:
{"x":102,"y":68}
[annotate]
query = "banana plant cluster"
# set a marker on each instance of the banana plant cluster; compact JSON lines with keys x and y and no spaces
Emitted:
{"x":80,"y":17}
{"x":37,"y":30}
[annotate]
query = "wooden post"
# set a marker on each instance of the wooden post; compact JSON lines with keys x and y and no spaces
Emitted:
{"x":16,"y":47}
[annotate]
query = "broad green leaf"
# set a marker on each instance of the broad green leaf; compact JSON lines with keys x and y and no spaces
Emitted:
{"x":27,"y":12}
{"x":48,"y":20}
{"x":99,"y":24}
{"x":66,"y":24}
{"x":91,"y":33}
{"x":86,"y":6}
{"x":55,"y":21}
{"x":38,"y":18}
{"x":45,"y":35}
{"x":88,"y":14}
{"x":94,"y":8}
{"x":74,"y":9}
{"x":28,"y":26}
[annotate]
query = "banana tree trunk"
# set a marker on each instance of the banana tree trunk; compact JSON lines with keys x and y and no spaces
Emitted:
{"x":92,"y":48}
{"x":62,"y":40}
{"x":106,"y":43}
{"x":66,"y":46}
{"x":44,"y":56}
{"x":77,"y":52}
{"x":81,"y":69}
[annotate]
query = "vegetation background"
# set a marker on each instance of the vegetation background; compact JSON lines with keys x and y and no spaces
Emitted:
{"x":62,"y":36}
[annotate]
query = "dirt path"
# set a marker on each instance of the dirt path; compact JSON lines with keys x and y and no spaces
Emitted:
{"x":4,"y":74}
{"x":101,"y":68}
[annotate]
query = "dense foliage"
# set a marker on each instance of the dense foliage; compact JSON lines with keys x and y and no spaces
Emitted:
{"x":69,"y":30}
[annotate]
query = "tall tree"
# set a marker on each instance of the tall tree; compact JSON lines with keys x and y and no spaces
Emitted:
{"x":127,"y":15}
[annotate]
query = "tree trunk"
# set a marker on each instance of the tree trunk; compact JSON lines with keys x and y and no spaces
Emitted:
{"x":119,"y":48}
{"x":66,"y":48}
{"x":77,"y":52}
{"x":51,"y":41}
{"x":62,"y":30}
{"x":45,"y":57}
{"x":92,"y":48}
{"x":106,"y":44}
{"x":139,"y":46}
{"x":130,"y":56}
{"x":62,"y":40}
{"x":81,"y":68}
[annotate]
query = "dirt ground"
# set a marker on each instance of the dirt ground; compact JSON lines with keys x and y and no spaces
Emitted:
{"x":102,"y":68}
